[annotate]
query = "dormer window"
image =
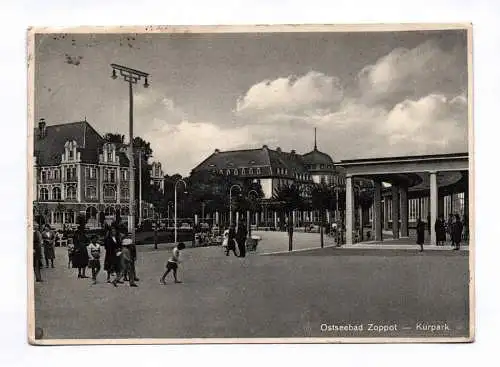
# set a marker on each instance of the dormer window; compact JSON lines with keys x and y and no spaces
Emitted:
{"x":235,"y":171}
{"x":110,"y":156}
{"x":70,"y":155}
{"x":258,"y":171}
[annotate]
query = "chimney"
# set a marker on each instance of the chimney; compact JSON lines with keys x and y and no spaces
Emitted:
{"x":42,"y":125}
{"x":293,"y":152}
{"x":278,"y":149}
{"x":217,"y":151}
{"x":264,"y":146}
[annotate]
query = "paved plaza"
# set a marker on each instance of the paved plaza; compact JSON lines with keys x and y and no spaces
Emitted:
{"x":263,"y":296}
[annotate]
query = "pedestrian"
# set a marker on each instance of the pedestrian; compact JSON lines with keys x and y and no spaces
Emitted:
{"x":48,"y":245}
{"x":173,"y":263}
{"x":241,"y":238}
{"x":133,"y":258}
{"x":225,"y":239}
{"x":80,"y":254}
{"x":449,"y":225}
{"x":126,"y":268}
{"x":290,"y":234}
{"x":37,"y":252}
{"x":71,"y":251}
{"x":231,"y":241}
{"x":112,"y":245}
{"x":456,"y":232}
{"x":440,"y":229}
{"x":420,"y":234}
{"x":94,"y":252}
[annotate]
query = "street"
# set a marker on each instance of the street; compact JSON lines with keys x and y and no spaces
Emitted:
{"x":261,"y":296}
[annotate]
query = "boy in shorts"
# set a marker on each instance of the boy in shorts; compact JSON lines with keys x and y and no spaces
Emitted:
{"x":173,"y":263}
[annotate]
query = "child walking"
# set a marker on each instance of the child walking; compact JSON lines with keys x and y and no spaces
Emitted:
{"x":94,"y":251}
{"x":173,"y":263}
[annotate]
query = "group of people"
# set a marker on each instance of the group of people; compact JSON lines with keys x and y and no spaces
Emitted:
{"x":44,"y":240}
{"x":235,"y":237}
{"x":453,"y":228}
{"x":119,"y":259}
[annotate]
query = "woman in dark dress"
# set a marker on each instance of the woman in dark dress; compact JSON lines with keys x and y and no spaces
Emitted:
{"x":420,"y":234}
{"x":241,"y":238}
{"x":456,"y":232}
{"x":440,"y":229}
{"x":231,"y":243}
{"x":112,"y":245}
{"x":80,"y":254}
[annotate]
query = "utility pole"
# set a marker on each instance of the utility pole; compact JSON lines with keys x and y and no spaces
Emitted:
{"x":131,"y":76}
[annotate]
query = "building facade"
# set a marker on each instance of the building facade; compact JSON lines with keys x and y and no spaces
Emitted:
{"x":273,"y":168}
{"x":75,"y":172}
{"x":157,"y":176}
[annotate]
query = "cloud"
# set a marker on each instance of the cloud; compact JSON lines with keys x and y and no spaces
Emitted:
{"x":414,"y":73}
{"x":432,"y":122}
{"x":183,"y":146}
{"x":291,"y":94}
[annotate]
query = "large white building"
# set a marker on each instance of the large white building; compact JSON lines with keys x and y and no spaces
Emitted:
{"x":76,"y":171}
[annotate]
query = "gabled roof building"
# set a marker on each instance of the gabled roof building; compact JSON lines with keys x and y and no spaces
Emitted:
{"x":76,"y":170}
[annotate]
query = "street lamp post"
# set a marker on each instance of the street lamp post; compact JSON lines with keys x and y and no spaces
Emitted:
{"x":249,"y":225}
{"x":175,"y":206}
{"x":131,"y":76}
{"x":140,"y":187}
{"x":231,"y":201}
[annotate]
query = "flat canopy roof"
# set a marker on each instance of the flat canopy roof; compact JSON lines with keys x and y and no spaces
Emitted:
{"x":400,"y":159}
{"x":411,"y":171}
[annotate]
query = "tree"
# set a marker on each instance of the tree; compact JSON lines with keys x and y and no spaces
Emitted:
{"x":322,"y":197}
{"x":288,"y":198}
{"x":114,"y":138}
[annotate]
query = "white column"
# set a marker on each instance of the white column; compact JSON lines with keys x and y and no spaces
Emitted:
{"x":118,"y":186}
{"x":79,"y":185}
{"x":433,"y":204}
{"x":217,"y":217}
{"x":275,"y":220}
{"x":395,"y":211}
{"x":101,"y":184}
{"x":196,"y":219}
{"x":237,"y":218}
{"x":52,"y":217}
{"x":377,"y":211}
{"x":349,"y":210}
{"x":256,"y":219}
{"x":403,"y":195}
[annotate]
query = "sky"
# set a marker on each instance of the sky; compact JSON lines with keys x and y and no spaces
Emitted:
{"x":369,"y":94}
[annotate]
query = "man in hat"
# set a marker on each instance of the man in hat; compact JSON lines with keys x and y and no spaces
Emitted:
{"x":37,"y":252}
{"x":126,"y":266}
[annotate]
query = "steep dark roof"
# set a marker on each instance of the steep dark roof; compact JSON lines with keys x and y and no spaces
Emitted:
{"x":316,"y":157}
{"x":253,"y":158}
{"x":234,"y":159}
{"x":50,"y":147}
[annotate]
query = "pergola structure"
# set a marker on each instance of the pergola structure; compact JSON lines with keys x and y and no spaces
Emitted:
{"x":432,"y":174}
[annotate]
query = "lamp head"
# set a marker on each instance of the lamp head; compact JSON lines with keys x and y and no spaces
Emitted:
{"x":146,"y":84}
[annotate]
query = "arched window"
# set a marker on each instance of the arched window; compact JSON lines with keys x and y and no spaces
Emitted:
{"x":56,"y":193}
{"x":91,"y":192}
{"x":70,"y":216}
{"x":71,"y":193}
{"x":43,"y":176}
{"x":258,"y":171}
{"x":124,"y":193}
{"x":44,"y":194}
{"x":109,"y":192}
{"x":109,"y":211}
